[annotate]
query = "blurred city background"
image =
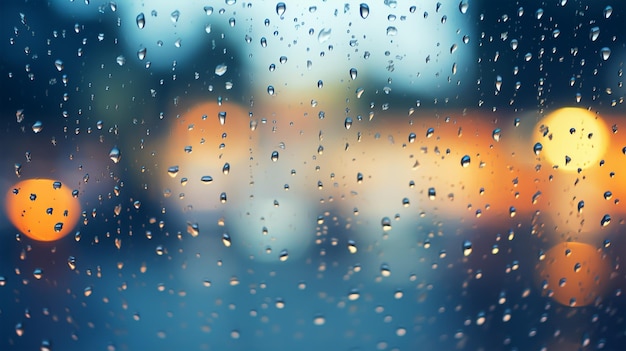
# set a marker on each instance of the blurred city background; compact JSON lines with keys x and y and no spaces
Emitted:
{"x":389,"y":175}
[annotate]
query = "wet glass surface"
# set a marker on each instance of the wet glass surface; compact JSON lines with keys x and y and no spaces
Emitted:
{"x":389,"y":175}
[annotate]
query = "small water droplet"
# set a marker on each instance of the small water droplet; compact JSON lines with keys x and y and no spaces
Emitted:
{"x":594,"y":33}
{"x":141,"y":53}
{"x":270,"y":90}
{"x":467,"y":248}
{"x":537,"y":148}
{"x":392,"y":31}
{"x":385,"y":271}
{"x":274,"y":156}
{"x":352,"y":247}
{"x":364,"y":10}
{"x":353,"y":73}
{"x":606,"y":219}
{"x":284,"y":255}
{"x":121,"y":60}
{"x":496,"y":134}
{"x":354,"y":295}
{"x":348,"y":122}
{"x":221,"y":69}
{"x":207,"y":179}
{"x":465,"y":161}
{"x":115,"y":155}
{"x":141,"y":20}
{"x":223,"y":198}
{"x":430,"y":132}
{"x":174,"y":16}
{"x":226,"y":168}
{"x":539,"y":14}
{"x":71,"y":262}
{"x":37,"y":127}
{"x":386,"y":224}
{"x":324,"y":35}
{"x":605,"y":53}
{"x":38,"y":273}
{"x":208,"y":10}
{"x":263,"y":42}
{"x":226,"y":240}
{"x":59,"y":65}
{"x":432,"y":193}
{"x":319,"y":320}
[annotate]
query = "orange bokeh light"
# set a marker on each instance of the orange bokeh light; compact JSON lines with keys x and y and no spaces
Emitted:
{"x":42,"y":209}
{"x":576,"y":273}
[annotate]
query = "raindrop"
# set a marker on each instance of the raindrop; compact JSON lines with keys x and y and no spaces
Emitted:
{"x":59,"y":65}
{"x":226,"y":240}
{"x":539,"y":14}
{"x":467,"y":248}
{"x":514,"y":44}
{"x":353,"y":73}
{"x":141,"y":21}
{"x":320,"y":84}
{"x":352,"y":247}
{"x":537,"y":148}
{"x":274,"y":156}
{"x":115,"y":155}
{"x":386,"y":223}
{"x":453,"y":48}
{"x":172,"y":171}
{"x":284,"y":255}
{"x":121,"y":60}
{"x":38,"y":273}
{"x":430,"y":132}
{"x":465,"y":161}
{"x":463,"y":6}
{"x":605,"y":53}
{"x":71,"y":262}
{"x":608,"y":195}
{"x":392,"y":31}
{"x":354,"y":295}
{"x":348,"y":123}
{"x":141,"y":53}
{"x":496,"y":134}
{"x":206,"y":179}
{"x":270,"y":90}
{"x":432,"y":193}
{"x":37,"y":127}
{"x":606,"y":219}
{"x":498,"y":83}
{"x":19,"y":329}
{"x":226,"y":168}
{"x":323,"y":35}
{"x":280,"y":9}
{"x":221,"y":116}
{"x":594,"y":33}
{"x":223,"y":198}
{"x":581,"y":205}
{"x":365,"y":10}
{"x":385,"y":271}
{"x":174,"y":16}
{"x":221,"y":69}
{"x":607,"y":11}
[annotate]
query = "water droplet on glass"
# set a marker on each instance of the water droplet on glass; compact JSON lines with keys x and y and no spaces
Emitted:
{"x":496,"y":134}
{"x":465,"y":161}
{"x":352,"y":247}
{"x":207,"y":179}
{"x":463,"y":6}
{"x":385,"y":271}
{"x":115,"y":155}
{"x":223,"y":198}
{"x":607,"y":11}
{"x":467,"y":248}
{"x":19,"y":329}
{"x":347,"y":123}
{"x":319,"y":320}
{"x":392,"y":31}
{"x":364,"y":10}
{"x":412,"y":137}
{"x":324,"y":35}
{"x":270,"y":90}
{"x":386,"y":223}
{"x":284,"y":255}
{"x":594,"y":33}
{"x":606,"y":219}
{"x":121,"y":60}
{"x":280,"y":9}
{"x":38,"y":273}
{"x":226,"y":240}
{"x":432,"y":193}
{"x":141,"y":20}
{"x":353,"y":73}
{"x":174,"y":16}
{"x":605,"y":53}
{"x":354,"y":295}
{"x":498,"y":83}
{"x":430,"y":132}
{"x":537,"y":148}
{"x":59,"y":65}
{"x":37,"y":127}
{"x":539,"y":14}
{"x":71,"y":262}
{"x":274,"y":156}
{"x":514,"y":44}
{"x":221,"y":69}
{"x":141,"y":53}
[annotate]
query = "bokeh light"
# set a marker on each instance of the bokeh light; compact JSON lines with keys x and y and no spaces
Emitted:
{"x":576,"y":274}
{"x":42,"y":209}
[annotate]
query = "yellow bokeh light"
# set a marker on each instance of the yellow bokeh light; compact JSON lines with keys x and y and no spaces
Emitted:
{"x":42,"y":209}
{"x":576,"y":273}
{"x":571,"y":138}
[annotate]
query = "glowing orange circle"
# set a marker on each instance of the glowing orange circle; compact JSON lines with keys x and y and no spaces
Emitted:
{"x":576,"y":273}
{"x":42,"y":209}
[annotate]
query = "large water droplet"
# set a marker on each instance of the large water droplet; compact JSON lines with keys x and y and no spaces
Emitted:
{"x":115,"y":155}
{"x":353,"y":73}
{"x":605,"y":53}
{"x":141,"y":53}
{"x":174,"y":16}
{"x":121,"y":60}
{"x":465,"y":161}
{"x":364,"y":10}
{"x":280,"y":9}
{"x":594,"y":33}
{"x":386,"y":223}
{"x":463,"y":6}
{"x":324,"y":35}
{"x":537,"y":148}
{"x":606,"y":219}
{"x":141,"y":20}
{"x":607,"y":11}
{"x":270,"y":89}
